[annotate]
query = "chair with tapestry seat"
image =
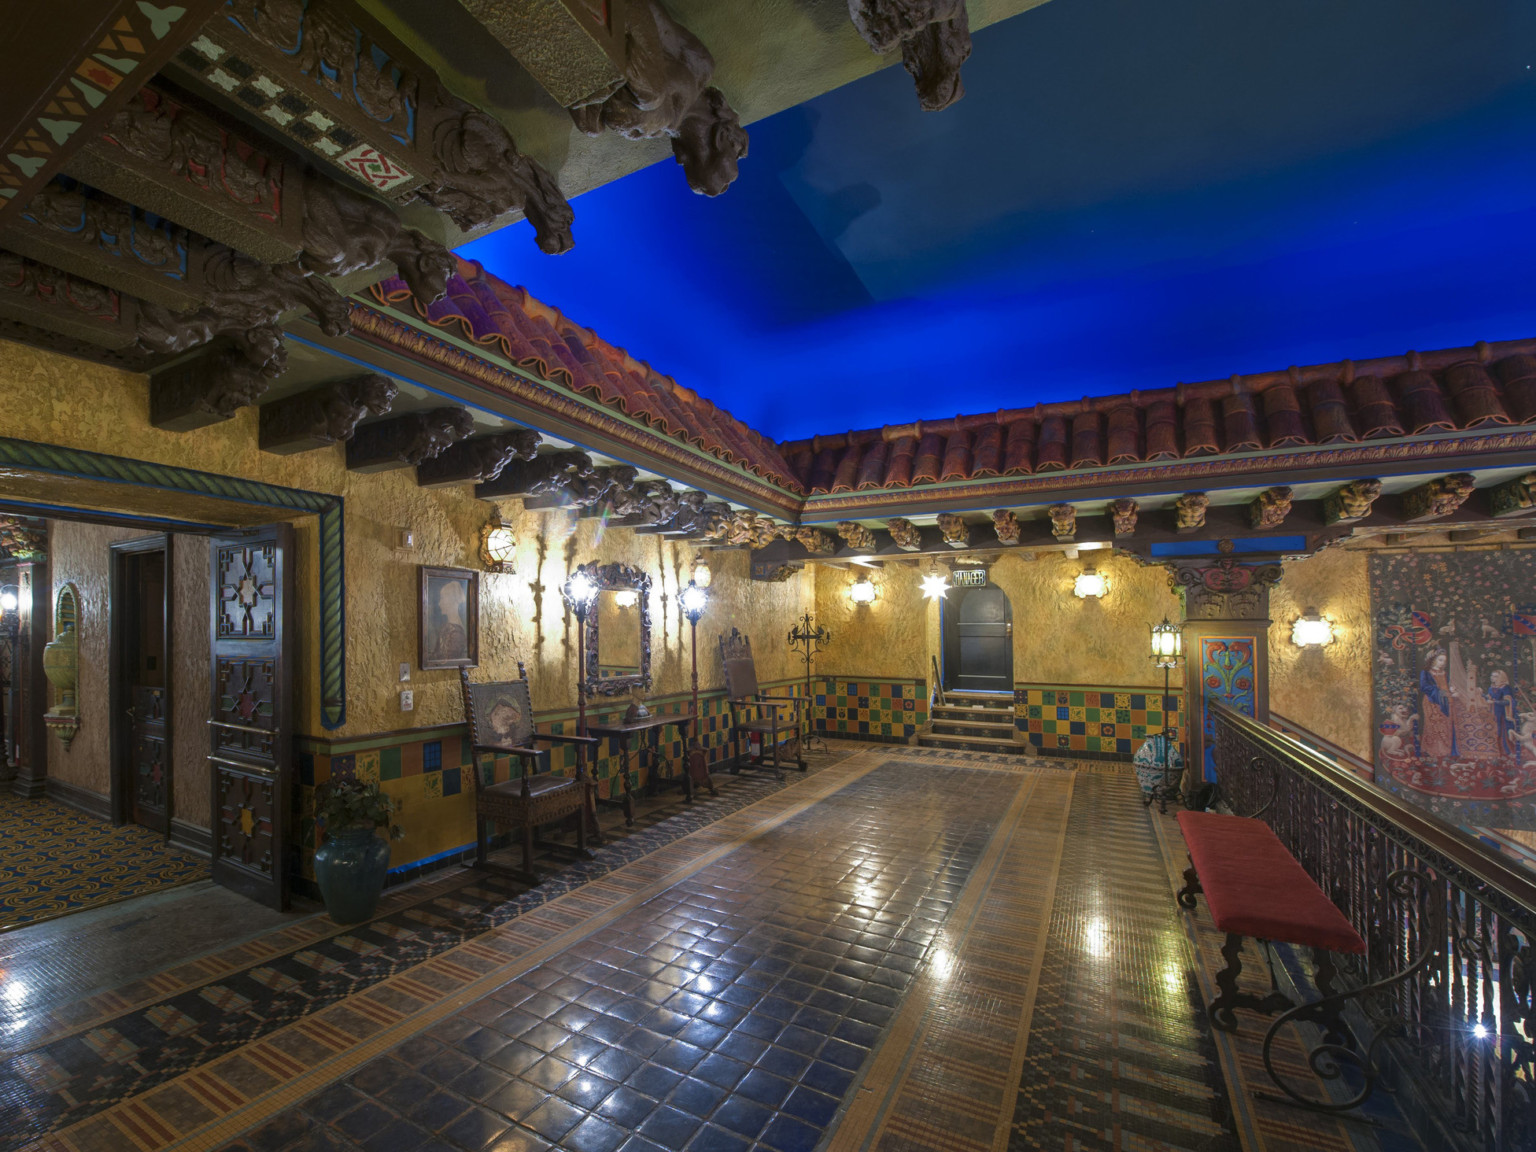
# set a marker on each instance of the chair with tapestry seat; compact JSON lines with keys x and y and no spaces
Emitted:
{"x":500,"y":718}
{"x":754,"y":714}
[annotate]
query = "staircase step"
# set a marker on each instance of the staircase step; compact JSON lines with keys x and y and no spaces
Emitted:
{"x":971,"y":743}
{"x":999,"y":728}
{"x":957,"y":712}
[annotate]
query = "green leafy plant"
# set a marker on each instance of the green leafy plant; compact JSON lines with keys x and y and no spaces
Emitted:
{"x":354,"y":804}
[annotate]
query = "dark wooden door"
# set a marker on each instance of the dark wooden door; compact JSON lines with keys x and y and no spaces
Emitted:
{"x":141,"y":685}
{"x":250,"y":730}
{"x":978,"y":640}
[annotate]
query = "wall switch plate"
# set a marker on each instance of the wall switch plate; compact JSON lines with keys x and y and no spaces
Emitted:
{"x":405,"y":671}
{"x":407,"y":700}
{"x":407,"y":539}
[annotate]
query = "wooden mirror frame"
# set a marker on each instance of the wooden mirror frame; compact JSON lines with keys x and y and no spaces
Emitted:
{"x":614,"y":578}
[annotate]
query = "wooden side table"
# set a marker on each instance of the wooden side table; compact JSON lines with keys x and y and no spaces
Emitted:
{"x":636,"y":738}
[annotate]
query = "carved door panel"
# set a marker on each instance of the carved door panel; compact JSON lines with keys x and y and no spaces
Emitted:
{"x":140,"y":686}
{"x":149,"y":753}
{"x":249,"y":722}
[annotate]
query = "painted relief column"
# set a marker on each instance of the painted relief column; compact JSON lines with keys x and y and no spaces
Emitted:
{"x":1226,"y":645}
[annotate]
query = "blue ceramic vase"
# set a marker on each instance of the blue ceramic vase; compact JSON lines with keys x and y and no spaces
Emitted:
{"x":349,"y":869}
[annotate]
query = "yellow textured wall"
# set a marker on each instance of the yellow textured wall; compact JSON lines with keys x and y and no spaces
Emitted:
{"x":1327,"y":690}
{"x":1057,"y":638}
{"x":57,"y":400}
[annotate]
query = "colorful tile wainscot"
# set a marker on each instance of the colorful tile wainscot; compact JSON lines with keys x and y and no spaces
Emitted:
{"x":885,"y":710}
{"x":1093,"y":721}
{"x":427,"y":770}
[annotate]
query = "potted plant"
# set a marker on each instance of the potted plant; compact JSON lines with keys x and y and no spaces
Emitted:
{"x":350,"y":865}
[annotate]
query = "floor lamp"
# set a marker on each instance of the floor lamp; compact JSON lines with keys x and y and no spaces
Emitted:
{"x":1167,"y":652}
{"x":580,"y":593}
{"x":694,"y":599}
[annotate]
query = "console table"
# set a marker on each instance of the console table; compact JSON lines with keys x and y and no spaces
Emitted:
{"x":635,"y":738}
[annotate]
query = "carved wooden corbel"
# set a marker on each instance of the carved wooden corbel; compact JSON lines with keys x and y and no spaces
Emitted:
{"x":667,"y":92}
{"x":408,"y":440}
{"x":1270,"y":508}
{"x":954,"y":529}
{"x":934,"y":37}
{"x":325,"y":415}
{"x":1513,"y":497}
{"x":1352,"y":502}
{"x":1189,"y":512}
{"x":1123,"y":513}
{"x":479,"y":459}
{"x":78,"y":309}
{"x":815,"y":541}
{"x":548,"y":476}
{"x":857,"y":536}
{"x":904,"y":534}
{"x":207,"y":388}
{"x":1440,"y":497}
{"x":1006,"y":524}
{"x":1063,"y":521}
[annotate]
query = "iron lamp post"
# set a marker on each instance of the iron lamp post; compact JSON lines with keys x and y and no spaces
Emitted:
{"x":1167,"y":652}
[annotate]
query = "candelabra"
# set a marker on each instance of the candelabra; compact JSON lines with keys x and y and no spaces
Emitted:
{"x":811,"y":636}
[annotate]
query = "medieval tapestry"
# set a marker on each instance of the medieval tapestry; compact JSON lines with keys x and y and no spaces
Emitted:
{"x":1455,"y":686}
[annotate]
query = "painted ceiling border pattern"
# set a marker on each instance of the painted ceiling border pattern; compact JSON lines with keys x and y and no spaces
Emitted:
{"x":78,"y":463}
{"x":534,"y":336}
{"x":999,"y":492}
{"x":402,"y":336}
{"x":137,"y":39}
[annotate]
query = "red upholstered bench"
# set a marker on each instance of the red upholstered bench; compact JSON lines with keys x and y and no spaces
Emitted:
{"x":1254,"y":887}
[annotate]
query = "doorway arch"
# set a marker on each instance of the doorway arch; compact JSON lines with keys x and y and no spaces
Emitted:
{"x":977,"y":628}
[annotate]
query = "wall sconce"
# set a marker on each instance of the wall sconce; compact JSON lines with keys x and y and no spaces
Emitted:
{"x":701,"y":573}
{"x":935,"y":584}
{"x":498,"y":545}
{"x":1090,"y":582}
{"x":863,"y":590}
{"x":1312,"y":630}
{"x":626,"y":597}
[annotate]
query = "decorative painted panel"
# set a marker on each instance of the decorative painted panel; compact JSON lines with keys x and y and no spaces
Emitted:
{"x":1227,"y":676}
{"x":1455,"y":687}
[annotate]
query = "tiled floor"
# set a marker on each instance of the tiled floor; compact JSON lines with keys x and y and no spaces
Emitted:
{"x":905,"y":950}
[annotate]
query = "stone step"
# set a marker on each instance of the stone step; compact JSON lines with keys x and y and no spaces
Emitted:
{"x":1003,"y":729}
{"x":971,"y":743}
{"x":985,"y":715}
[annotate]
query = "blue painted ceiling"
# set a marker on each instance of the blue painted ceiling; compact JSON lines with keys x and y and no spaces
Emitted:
{"x":1130,"y":194}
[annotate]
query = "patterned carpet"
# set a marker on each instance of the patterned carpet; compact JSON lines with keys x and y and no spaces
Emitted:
{"x":57,"y":860}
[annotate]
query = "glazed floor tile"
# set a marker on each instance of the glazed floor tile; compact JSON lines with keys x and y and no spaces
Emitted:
{"x":734,"y":1009}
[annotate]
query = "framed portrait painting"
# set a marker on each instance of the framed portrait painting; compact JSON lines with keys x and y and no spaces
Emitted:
{"x":450,"y":618}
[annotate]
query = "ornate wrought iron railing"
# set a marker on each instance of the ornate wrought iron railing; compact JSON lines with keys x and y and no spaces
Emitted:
{"x":1459,"y":1034}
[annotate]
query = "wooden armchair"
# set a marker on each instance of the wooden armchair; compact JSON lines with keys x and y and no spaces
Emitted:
{"x":754,"y":714}
{"x":500,"y":718}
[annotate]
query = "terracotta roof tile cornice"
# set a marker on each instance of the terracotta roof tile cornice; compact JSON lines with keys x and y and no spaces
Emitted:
{"x":538,"y":338}
{"x":1485,"y":386}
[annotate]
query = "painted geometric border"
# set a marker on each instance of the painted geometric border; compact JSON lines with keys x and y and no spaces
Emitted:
{"x":51,"y":458}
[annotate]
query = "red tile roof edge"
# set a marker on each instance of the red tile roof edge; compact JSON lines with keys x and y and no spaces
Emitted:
{"x":1418,"y":393}
{"x":488,"y":311}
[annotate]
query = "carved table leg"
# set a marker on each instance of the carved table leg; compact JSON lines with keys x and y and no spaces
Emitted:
{"x":1191,"y":889}
{"x":1230,"y":997}
{"x":629,"y":796}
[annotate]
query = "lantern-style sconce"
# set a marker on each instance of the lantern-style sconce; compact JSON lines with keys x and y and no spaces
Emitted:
{"x":498,"y":545}
{"x":1167,"y":644}
{"x":626,"y":597}
{"x":863,"y":590}
{"x":1312,"y":630}
{"x":579,"y":591}
{"x":935,"y":584}
{"x":1090,"y":583}
{"x":694,"y":599}
{"x":701,"y":573}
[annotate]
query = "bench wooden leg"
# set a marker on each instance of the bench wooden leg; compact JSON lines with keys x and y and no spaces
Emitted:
{"x":1191,"y":889}
{"x":1230,"y":997}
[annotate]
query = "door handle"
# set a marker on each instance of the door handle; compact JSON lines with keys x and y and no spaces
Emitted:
{"x":132,"y":716}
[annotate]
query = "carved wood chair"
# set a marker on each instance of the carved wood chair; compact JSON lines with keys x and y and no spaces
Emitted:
{"x":500,"y":718}
{"x":754,"y":714}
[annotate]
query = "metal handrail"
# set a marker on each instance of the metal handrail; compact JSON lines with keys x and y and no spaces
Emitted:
{"x":1458,"y":847}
